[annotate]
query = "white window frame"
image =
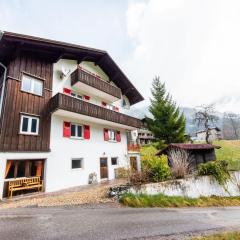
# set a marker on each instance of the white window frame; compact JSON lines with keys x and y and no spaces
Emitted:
{"x":76,"y":125}
{"x":110,"y":131}
{"x":82,"y":164}
{"x":30,"y":118}
{"x":33,"y":80}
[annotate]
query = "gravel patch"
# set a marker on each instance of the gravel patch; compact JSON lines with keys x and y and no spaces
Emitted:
{"x":87,"y":196}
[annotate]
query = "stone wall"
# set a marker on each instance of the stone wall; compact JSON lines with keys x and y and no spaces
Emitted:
{"x":192,"y":187}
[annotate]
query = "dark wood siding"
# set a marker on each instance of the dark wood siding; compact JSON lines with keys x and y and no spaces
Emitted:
{"x":17,"y":102}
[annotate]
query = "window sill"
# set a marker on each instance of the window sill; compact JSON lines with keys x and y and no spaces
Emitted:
{"x":77,"y":138}
{"x":34,"y":94}
{"x":29,"y":134}
{"x":77,"y":169}
{"x":113,"y":141}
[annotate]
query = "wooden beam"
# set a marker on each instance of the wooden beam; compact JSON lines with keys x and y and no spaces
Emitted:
{"x":100,"y":60}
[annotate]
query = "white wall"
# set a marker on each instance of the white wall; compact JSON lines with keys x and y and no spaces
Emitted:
{"x":58,"y":169}
{"x":193,"y":187}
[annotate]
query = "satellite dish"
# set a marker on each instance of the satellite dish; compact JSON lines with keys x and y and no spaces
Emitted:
{"x":64,"y":72}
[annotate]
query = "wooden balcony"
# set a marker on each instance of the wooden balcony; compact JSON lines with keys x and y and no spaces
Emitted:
{"x":64,"y":102}
{"x":134,"y":147}
{"x":87,"y":78}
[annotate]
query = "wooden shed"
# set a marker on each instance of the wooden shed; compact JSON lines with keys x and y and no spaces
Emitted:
{"x":200,"y":153}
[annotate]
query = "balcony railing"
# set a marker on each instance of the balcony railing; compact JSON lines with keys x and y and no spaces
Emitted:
{"x":68,"y":103}
{"x":80,"y":75}
{"x":134,"y":147}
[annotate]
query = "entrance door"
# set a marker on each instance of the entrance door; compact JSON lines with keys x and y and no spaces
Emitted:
{"x":103,"y":168}
{"x":133,"y":163}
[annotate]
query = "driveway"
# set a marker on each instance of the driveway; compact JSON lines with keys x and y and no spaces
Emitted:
{"x":109,"y":222}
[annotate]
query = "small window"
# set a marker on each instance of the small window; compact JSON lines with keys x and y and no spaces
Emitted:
{"x":77,"y":163}
{"x":112,"y":135}
{"x":32,"y":85}
{"x":76,"y":131}
{"x":114,"y":161}
{"x":29,"y":125}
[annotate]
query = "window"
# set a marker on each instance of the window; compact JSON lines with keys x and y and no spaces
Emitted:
{"x":29,"y":125}
{"x":77,"y":163}
{"x":114,"y":161}
{"x":32,"y":85}
{"x":75,"y":95}
{"x":112,"y":135}
{"x":76,"y":131}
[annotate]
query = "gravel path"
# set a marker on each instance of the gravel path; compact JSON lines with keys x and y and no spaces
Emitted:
{"x":90,"y":194}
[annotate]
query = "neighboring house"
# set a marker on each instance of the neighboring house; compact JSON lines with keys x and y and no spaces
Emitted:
{"x":199,"y":153}
{"x":215,"y":134}
{"x":143,"y":136}
{"x":61,"y":113}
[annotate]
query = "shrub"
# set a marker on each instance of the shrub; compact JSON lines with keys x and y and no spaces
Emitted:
{"x":180,"y":163}
{"x":218,"y":169}
{"x":121,"y":172}
{"x":157,"y":168}
{"x":138,"y":178}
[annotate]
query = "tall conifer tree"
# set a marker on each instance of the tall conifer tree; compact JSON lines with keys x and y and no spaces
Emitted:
{"x":168,"y":124}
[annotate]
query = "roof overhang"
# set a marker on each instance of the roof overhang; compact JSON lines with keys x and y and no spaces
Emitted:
{"x":13,"y":44}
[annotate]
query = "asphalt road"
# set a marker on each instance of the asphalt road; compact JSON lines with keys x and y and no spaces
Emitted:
{"x":100,"y":222}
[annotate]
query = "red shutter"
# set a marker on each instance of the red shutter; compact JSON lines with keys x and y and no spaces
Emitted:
{"x":105,"y":132}
{"x":86,"y":98}
{"x":104,"y":104}
{"x":67,"y":90}
{"x":118,"y":136}
{"x":86,"y":132}
{"x":66,"y":129}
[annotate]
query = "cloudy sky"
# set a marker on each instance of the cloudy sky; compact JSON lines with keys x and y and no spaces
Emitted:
{"x":194,"y":46}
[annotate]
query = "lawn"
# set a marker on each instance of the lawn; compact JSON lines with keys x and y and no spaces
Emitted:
{"x":221,"y":236}
{"x":229,"y":151}
{"x":160,"y":200}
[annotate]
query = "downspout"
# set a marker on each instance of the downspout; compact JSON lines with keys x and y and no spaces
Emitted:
{"x":4,"y":81}
{"x":3,"y":87}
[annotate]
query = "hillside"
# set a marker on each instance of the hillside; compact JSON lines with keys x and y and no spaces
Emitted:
{"x":229,"y":151}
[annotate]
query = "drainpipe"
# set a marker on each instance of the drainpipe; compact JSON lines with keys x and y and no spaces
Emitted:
{"x":4,"y":79}
{"x":3,"y":87}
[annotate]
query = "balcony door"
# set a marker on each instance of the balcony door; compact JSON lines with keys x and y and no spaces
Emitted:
{"x":103,"y":168}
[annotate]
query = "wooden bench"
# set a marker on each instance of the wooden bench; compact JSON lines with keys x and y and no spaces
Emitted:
{"x":24,"y":184}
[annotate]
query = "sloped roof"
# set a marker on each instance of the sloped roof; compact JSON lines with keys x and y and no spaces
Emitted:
{"x":12,"y":44}
{"x":188,"y":146}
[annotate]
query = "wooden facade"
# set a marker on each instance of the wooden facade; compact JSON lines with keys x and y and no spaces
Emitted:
{"x":93,"y":81}
{"x":68,"y":103}
{"x":17,"y":102}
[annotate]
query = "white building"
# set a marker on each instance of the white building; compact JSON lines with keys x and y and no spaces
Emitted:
{"x":215,"y":134}
{"x":62,"y":114}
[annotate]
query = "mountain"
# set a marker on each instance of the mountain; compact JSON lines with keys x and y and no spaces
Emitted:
{"x":191,"y":127}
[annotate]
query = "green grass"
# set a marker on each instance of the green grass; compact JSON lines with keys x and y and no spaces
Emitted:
{"x":221,"y":236}
{"x":160,"y":200}
{"x":229,"y":151}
